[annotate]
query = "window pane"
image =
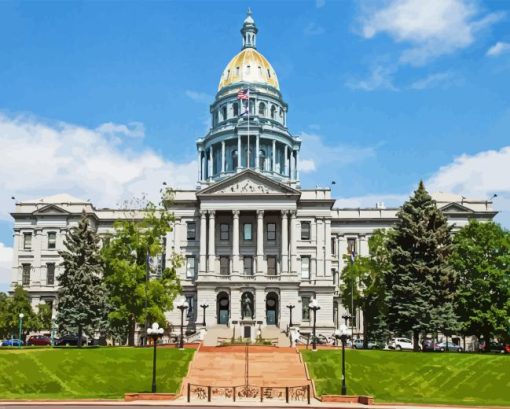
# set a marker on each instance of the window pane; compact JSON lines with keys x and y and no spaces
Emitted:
{"x":271,"y":231}
{"x":247,"y":231}
{"x":192,"y":230}
{"x":248,"y":266}
{"x":27,"y":241}
{"x":190,"y":267}
{"x":50,"y":273}
{"x":52,"y":240}
{"x":271,"y":265}
{"x":224,"y":231}
{"x":351,"y":246}
{"x":224,"y":265}
{"x":191,"y":305}
{"x":305,"y":308}
{"x":25,"y":279}
{"x":305,"y":230}
{"x":333,"y":246}
{"x":305,"y":267}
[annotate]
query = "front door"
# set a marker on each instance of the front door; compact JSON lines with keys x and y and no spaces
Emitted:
{"x":271,"y":317}
{"x":223,"y":317}
{"x":272,"y":309}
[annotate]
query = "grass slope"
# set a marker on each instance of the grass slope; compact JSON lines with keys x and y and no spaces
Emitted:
{"x":71,"y":373}
{"x":447,"y":378}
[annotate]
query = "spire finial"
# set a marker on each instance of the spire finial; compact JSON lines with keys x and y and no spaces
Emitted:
{"x":249,"y":31}
{"x":249,"y":13}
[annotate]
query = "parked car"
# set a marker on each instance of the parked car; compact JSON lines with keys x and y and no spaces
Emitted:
{"x":39,"y":340}
{"x":70,"y":340}
{"x":399,"y":344}
{"x":496,"y":347}
{"x":12,"y":342}
{"x":428,"y":345}
{"x":358,"y":344}
{"x":450,"y":346}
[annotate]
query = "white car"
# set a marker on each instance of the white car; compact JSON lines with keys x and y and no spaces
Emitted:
{"x":401,"y":343}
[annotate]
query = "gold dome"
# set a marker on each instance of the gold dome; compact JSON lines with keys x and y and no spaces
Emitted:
{"x":249,"y":66}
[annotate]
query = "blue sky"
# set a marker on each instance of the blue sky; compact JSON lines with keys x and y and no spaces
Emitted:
{"x":105,"y":100}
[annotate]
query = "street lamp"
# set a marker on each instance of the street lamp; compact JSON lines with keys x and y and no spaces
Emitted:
{"x":343,"y":335}
{"x":21,"y":315}
{"x":314,"y":306}
{"x":154,"y":332}
{"x":204,"y":306}
{"x":183,"y":306}
{"x":290,"y":307}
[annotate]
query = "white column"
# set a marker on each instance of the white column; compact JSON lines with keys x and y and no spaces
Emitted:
{"x":273,"y":166}
{"x":260,"y":241}
{"x":293,"y":241}
{"x":327,"y":248}
{"x":203,"y":241}
{"x":212,"y":257}
{"x":285,"y":242}
{"x":239,"y":155}
{"x":199,"y":165}
{"x":222,"y":156}
{"x":235,"y":241}
{"x":211,"y":166}
{"x":257,"y":149}
{"x":296,"y":164}
{"x":286,"y":171}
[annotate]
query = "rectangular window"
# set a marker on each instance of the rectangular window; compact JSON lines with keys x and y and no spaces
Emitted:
{"x":191,"y":305}
{"x":27,"y":241}
{"x":224,"y":265}
{"x":305,"y":267}
{"x":52,"y":240}
{"x":305,"y":230}
{"x":271,"y":231}
{"x":333,"y":246}
{"x":191,"y":228}
{"x":305,"y":309}
{"x":190,"y":267}
{"x":224,"y":231}
{"x":271,"y":265}
{"x":25,"y":278}
{"x":351,"y":246}
{"x":50,"y":273}
{"x":247,"y":232}
{"x":248,"y":265}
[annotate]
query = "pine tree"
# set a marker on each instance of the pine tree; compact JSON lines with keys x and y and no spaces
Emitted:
{"x":81,"y":303}
{"x":421,"y":284}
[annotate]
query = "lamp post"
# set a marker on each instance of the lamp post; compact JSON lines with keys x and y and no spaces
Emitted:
{"x":343,"y":335}
{"x":154,"y":332}
{"x":290,"y":307}
{"x":204,"y":306}
{"x":183,"y":306}
{"x":21,"y":315}
{"x":314,"y":306}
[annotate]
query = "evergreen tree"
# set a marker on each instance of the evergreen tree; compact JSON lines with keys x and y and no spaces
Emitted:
{"x":482,"y":258}
{"x":421,"y":285}
{"x":81,"y":304}
{"x":133,"y":297}
{"x":11,"y":307}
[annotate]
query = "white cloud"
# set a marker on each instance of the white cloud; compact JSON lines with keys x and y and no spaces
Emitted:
{"x":39,"y":159}
{"x":498,"y":49}
{"x":443,"y":79}
{"x":432,"y":27}
{"x":5,"y":266}
{"x":317,"y":155}
{"x":313,"y":29}
{"x":201,"y":97}
{"x":381,"y":78}
{"x":132,"y":129}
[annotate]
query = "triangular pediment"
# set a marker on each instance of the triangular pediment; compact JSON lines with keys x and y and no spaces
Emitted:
{"x":248,"y":182}
{"x":50,"y":210}
{"x":455,"y":208}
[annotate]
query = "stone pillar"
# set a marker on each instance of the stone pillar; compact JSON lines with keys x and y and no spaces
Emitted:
{"x":257,"y":152}
{"x":296,"y":165}
{"x":285,"y":242}
{"x":212,"y":229}
{"x":239,"y":155}
{"x":235,"y":241}
{"x":327,"y":248}
{"x":293,"y":242}
{"x":222,"y":156}
{"x":273,"y":162}
{"x":199,"y":165}
{"x":286,"y":165}
{"x":260,"y":242}
{"x":203,"y":241}
{"x":211,"y":166}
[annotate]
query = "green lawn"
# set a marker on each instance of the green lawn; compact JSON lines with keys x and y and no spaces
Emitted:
{"x":70,"y":373}
{"x":390,"y":376}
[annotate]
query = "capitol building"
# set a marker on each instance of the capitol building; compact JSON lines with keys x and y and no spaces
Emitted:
{"x":254,"y":241}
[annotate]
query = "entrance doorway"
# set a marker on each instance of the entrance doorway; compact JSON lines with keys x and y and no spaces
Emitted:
{"x":223,"y":308}
{"x":272,"y":309}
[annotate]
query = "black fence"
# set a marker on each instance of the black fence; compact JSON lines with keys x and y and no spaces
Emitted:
{"x":249,"y":393}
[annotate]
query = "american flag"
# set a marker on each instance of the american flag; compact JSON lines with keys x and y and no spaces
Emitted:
{"x":243,"y":94}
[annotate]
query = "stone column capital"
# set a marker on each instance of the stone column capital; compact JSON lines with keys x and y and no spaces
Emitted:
{"x":285,"y":212}
{"x":260,"y":213}
{"x":236,"y":213}
{"x":211,"y":213}
{"x":203,"y":213}
{"x":292,"y":213}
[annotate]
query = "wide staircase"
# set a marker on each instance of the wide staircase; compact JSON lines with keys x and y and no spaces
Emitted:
{"x":221,"y":331}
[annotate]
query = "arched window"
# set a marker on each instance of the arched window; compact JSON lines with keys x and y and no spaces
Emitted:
{"x":262,"y":109}
{"x":235,"y":159}
{"x":224,"y":112}
{"x":235,"y":108}
{"x":262,"y":159}
{"x":273,"y":112}
{"x":281,"y":112}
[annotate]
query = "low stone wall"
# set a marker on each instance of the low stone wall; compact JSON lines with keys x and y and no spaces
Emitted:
{"x":130,"y":397}
{"x":364,"y":400}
